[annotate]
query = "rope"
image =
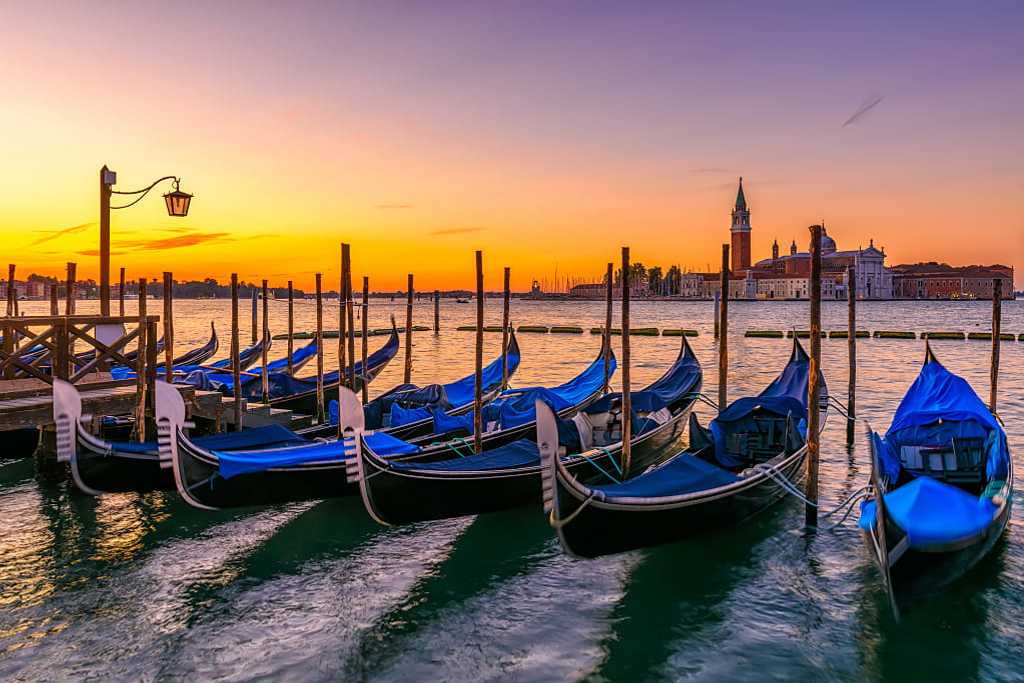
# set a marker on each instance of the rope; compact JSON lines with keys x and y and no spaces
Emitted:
{"x":559,"y":523}
{"x":791,"y":488}
{"x":600,"y":469}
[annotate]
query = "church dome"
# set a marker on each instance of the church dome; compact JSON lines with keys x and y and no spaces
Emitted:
{"x":828,"y":245}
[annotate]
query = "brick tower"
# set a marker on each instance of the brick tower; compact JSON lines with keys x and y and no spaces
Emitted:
{"x":740,"y":233}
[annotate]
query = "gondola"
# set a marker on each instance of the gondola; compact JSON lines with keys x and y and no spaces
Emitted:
{"x":213,"y":479}
{"x":100,"y":466}
{"x":945,"y":476}
{"x":406,"y":411}
{"x":730,"y":471}
{"x":412,"y":491}
{"x":251,"y":382}
{"x":299,"y":393}
{"x":200,"y":355}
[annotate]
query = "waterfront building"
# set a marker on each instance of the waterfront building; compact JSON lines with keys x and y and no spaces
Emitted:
{"x":934,"y":280}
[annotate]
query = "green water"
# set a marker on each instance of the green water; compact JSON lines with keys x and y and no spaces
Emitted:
{"x":142,"y":587}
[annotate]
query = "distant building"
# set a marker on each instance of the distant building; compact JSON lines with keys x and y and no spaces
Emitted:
{"x":934,"y":280}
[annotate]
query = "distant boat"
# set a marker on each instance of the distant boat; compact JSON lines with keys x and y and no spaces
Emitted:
{"x":462,"y":301}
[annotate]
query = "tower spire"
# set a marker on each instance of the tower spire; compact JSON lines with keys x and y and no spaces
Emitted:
{"x":741,"y":200}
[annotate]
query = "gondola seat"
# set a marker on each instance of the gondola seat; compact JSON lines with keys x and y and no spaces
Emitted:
{"x":932,"y":512}
{"x":521,"y":453}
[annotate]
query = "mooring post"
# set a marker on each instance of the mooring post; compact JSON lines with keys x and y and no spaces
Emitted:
{"x":851,"y":344}
{"x":342,"y":296}
{"x":504,"y":329}
{"x":350,"y":312}
{"x":140,"y":366}
{"x":69,"y":290}
{"x":813,"y":388}
{"x":997,"y":325}
{"x":168,"y":329}
{"x":264,"y":339}
{"x":12,"y":292}
{"x":236,"y":364}
{"x":291,"y":327}
{"x":363,"y":341}
{"x":120,"y":294}
{"x":437,"y":312}
{"x":723,"y":331}
{"x":610,"y":283}
{"x":478,"y":375}
{"x":320,"y":352}
{"x":717,"y":313}
{"x":254,"y":320}
{"x":627,"y":399}
{"x":408,"y":333}
{"x":54,"y":306}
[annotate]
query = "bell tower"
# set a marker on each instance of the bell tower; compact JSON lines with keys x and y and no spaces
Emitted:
{"x":740,"y":230}
{"x":775,"y":250}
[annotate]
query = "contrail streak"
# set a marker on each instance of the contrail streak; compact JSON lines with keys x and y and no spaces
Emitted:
{"x":862,"y":110}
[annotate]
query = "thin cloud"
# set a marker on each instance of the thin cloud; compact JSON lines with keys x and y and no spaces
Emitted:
{"x":394,"y":206}
{"x":710,"y":169}
{"x":96,"y":252}
{"x":176,"y":242}
{"x":454,"y":231}
{"x":54,"y":234}
{"x":869,"y":104}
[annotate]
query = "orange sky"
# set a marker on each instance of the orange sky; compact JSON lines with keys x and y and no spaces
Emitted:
{"x":419,"y":137}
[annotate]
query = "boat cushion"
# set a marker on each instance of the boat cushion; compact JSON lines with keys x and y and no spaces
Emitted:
{"x":403,"y":416}
{"x":682,"y":474}
{"x":234,"y":463}
{"x":932,"y":512}
{"x":270,"y":436}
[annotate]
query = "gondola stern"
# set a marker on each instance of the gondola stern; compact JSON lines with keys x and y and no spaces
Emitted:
{"x":547,"y":445}
{"x":67,"y":415}
{"x":879,"y":546}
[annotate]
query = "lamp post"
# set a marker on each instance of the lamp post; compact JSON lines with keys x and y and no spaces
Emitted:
{"x":177,"y":206}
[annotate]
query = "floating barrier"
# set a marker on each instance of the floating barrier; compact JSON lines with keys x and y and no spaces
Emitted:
{"x":676,"y":332}
{"x":472,"y":328}
{"x":987,"y":336}
{"x":566,"y":329}
{"x":803,"y":334}
{"x":764,"y":334}
{"x":845,"y":334}
{"x":960,"y":336}
{"x":539,"y":329}
{"x":333,"y":334}
{"x":892,"y":334}
{"x":644,"y":332}
{"x":600,"y":330}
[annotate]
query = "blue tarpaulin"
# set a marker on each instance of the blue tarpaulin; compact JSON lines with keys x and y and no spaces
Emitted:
{"x":682,"y":474}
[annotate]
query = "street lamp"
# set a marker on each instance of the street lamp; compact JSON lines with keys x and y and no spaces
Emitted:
{"x":177,"y":206}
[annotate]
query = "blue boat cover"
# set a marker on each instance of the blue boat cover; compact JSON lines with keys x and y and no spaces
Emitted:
{"x":461,"y":392}
{"x":234,"y":463}
{"x":682,"y":474}
{"x":932,"y":512}
{"x":252,"y":386}
{"x":937,"y":394}
{"x":786,"y":395}
{"x":680,"y":380}
{"x":521,"y":453}
{"x":270,"y":436}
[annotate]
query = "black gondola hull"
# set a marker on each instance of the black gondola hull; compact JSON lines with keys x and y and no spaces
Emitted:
{"x":605,"y":529}
{"x":401,"y":497}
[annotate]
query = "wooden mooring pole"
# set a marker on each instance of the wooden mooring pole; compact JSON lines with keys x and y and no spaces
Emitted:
{"x":236,"y":364}
{"x":319,"y":351}
{"x":342,"y":297}
{"x":120,"y":294}
{"x":168,"y":329}
{"x":69,"y":290}
{"x":363,"y":340}
{"x":610,"y":284}
{"x":997,"y":325}
{"x":350,"y":312}
{"x":407,"y":376}
{"x":254,"y":308}
{"x":723,"y":332}
{"x":504,"y":329}
{"x":291,"y":327}
{"x":813,"y":387}
{"x":54,"y":305}
{"x":264,"y":351}
{"x":851,"y":345}
{"x":478,"y":375}
{"x":12,"y":292}
{"x":140,"y":365}
{"x":627,"y":399}
{"x":437,"y":312}
{"x":717,"y":313}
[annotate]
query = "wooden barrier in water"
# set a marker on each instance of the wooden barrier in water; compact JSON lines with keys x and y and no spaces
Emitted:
{"x":407,"y":376}
{"x":478,"y":376}
{"x":723,"y":330}
{"x":362,"y":336}
{"x":120,"y":294}
{"x":69,"y":289}
{"x":893,"y":334}
{"x":236,"y":365}
{"x":957,"y":336}
{"x":627,"y":398}
{"x":291,"y":327}
{"x":264,"y":350}
{"x":997,"y":322}
{"x":319,"y":350}
{"x":764,"y":334}
{"x":504,"y":329}
{"x":168,"y":327}
{"x":851,"y":351}
{"x":437,"y":312}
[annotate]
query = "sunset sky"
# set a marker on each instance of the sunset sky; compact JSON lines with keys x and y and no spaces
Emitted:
{"x":547,"y":134}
